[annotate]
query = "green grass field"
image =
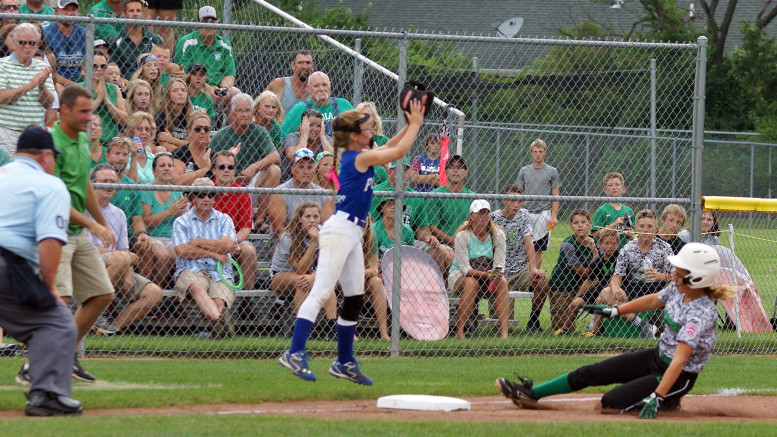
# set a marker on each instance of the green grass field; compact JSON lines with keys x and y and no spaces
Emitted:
{"x":165,"y":383}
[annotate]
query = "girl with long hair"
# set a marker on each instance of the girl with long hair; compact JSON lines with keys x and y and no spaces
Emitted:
{"x":172,"y":115}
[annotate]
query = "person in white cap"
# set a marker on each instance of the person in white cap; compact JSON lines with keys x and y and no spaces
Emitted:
{"x":67,"y":41}
{"x":472,"y":275}
{"x":211,"y":50}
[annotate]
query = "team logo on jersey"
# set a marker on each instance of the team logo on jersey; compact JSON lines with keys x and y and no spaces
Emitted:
{"x":217,"y":56}
{"x":691,"y":330}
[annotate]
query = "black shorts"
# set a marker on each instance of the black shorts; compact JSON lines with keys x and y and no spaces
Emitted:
{"x":176,"y":5}
{"x":541,"y":245}
{"x":590,"y":296}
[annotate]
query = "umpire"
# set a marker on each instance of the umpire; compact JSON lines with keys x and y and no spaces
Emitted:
{"x":33,"y":228}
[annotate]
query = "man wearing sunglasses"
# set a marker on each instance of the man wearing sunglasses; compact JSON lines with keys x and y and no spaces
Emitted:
{"x":68,"y":42}
{"x":9,"y":7}
{"x":202,"y":238}
{"x":238,"y":207}
{"x":26,"y":90}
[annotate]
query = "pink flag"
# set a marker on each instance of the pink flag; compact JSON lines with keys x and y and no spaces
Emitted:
{"x":445,"y":141}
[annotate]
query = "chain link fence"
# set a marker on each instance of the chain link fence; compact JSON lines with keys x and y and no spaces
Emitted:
{"x":599,"y":106}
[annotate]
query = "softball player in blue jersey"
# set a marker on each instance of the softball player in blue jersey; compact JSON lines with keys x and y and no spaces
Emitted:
{"x":652,"y":379}
{"x":340,"y":239}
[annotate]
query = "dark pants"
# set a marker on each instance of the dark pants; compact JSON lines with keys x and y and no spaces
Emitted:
{"x":50,"y":335}
{"x":638,"y":372}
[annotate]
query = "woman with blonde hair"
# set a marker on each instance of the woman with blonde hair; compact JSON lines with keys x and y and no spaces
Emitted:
{"x":193,"y":160}
{"x":172,"y":115}
{"x":140,"y":97}
{"x":141,"y":125}
{"x":369,"y":108}
{"x":148,"y":70}
{"x":652,"y":379}
{"x":478,"y":267}
{"x":268,"y":113}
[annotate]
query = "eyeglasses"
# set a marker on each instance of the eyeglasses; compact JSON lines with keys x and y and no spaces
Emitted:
{"x":10,"y":8}
{"x":225,"y":167}
{"x":99,"y":66}
{"x":204,"y":195}
{"x":143,"y":128}
{"x":304,"y":153}
{"x":27,"y":43}
{"x":199,"y":129}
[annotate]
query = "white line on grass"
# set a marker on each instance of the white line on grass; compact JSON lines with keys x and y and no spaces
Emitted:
{"x":119,"y":385}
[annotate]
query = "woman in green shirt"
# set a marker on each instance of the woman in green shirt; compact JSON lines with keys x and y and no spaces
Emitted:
{"x":268,"y":114}
{"x":160,"y":209}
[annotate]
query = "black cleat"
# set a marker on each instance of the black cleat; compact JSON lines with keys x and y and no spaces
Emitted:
{"x":520,"y":393}
{"x":43,"y":403}
{"x":80,"y":374}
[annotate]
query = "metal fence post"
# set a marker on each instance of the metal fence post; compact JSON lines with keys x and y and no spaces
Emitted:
{"x":587,"y":166}
{"x":698,"y":138}
{"x":89,"y":55}
{"x":227,"y":17}
{"x":653,"y":131}
{"x":475,"y":175}
{"x":358,"y":74}
{"x":498,"y":178}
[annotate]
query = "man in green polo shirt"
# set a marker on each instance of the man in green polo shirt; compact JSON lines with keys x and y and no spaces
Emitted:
{"x":37,"y":7}
{"x":81,"y":273}
{"x":320,"y":91}
{"x":107,"y":9}
{"x":132,"y":40}
{"x":211,"y":50}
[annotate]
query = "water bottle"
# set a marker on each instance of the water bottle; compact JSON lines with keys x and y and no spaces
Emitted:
{"x":646,"y":265}
{"x":137,"y":140}
{"x":639,"y":275}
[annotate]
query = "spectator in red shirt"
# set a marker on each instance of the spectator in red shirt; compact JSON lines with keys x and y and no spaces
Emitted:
{"x":238,"y":207}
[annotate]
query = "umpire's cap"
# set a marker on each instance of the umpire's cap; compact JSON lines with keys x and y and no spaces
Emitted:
{"x":36,"y":138}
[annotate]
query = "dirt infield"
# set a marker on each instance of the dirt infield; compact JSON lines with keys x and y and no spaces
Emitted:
{"x":562,"y":408}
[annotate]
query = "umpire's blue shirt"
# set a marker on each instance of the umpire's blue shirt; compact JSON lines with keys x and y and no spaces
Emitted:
{"x":34,"y":206}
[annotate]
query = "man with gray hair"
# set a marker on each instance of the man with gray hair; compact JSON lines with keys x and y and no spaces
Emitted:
{"x":26,"y":90}
{"x":257,"y":158}
{"x":320,"y":91}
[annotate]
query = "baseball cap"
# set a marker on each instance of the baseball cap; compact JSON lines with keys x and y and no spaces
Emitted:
{"x":323,"y":155}
{"x":203,"y":182}
{"x":207,"y":12}
{"x":147,"y":58}
{"x":36,"y":138}
{"x":303,"y":153}
{"x":100,"y":42}
{"x":478,"y":205}
{"x":456,"y":158}
{"x":196,"y":67}
{"x":393,"y":164}
{"x":62,"y":3}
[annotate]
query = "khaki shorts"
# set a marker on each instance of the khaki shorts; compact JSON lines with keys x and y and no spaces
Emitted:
{"x":83,"y":265}
{"x":216,"y":289}
{"x":559,"y":307}
{"x":138,"y":284}
{"x":520,"y":281}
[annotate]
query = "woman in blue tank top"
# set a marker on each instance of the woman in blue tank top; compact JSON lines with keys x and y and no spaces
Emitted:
{"x":340,"y":248}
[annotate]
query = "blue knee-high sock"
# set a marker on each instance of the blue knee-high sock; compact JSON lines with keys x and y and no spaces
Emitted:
{"x":302,"y":328}
{"x":345,"y":335}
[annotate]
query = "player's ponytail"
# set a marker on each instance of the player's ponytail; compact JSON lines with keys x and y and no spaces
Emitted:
{"x":722,"y":292}
{"x":342,"y":127}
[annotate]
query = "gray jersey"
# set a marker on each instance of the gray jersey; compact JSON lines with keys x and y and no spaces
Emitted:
{"x":632,"y":262}
{"x":692,"y":323}
{"x":538,"y":182}
{"x":515,"y":230}
{"x":292,"y":201}
{"x":280,"y":257}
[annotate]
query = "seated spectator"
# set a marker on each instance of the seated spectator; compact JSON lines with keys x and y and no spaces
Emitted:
{"x":268,"y":114}
{"x":101,"y":46}
{"x":320,"y":90}
{"x":140,"y":125}
{"x":164,"y":10}
{"x":139,"y":97}
{"x":107,"y":9}
{"x":642,"y":268}
{"x":193,"y":160}
{"x":293,"y":89}
{"x":373,"y":282}
{"x":211,"y":50}
{"x":96,"y":150}
{"x":425,"y":171}
{"x":36,"y":7}
{"x":383,"y":229}
{"x":198,"y":94}
{"x":369,"y":108}
{"x":238,"y":207}
{"x":67,"y":40}
{"x":203,"y":237}
{"x":160,"y":209}
{"x":172,"y":115}
{"x":6,"y":42}
{"x":446,"y":215}
{"x":148,"y":70}
{"x":520,"y":270}
{"x":479,"y":266}
{"x":107,"y":101}
{"x":282,"y":206}
{"x":257,"y":157}
{"x":577,"y":253}
{"x":614,"y":215}
{"x":672,"y":220}
{"x":309,"y":136}
{"x":599,"y":275}
{"x":26,"y":90}
{"x":293,"y":265}
{"x":9,"y":7}
{"x":113,"y":75}
{"x":138,"y":294}
{"x":710,"y":230}
{"x":132,"y":40}
{"x":117,"y":155}
{"x":167,"y":68}
{"x":325,"y":161}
